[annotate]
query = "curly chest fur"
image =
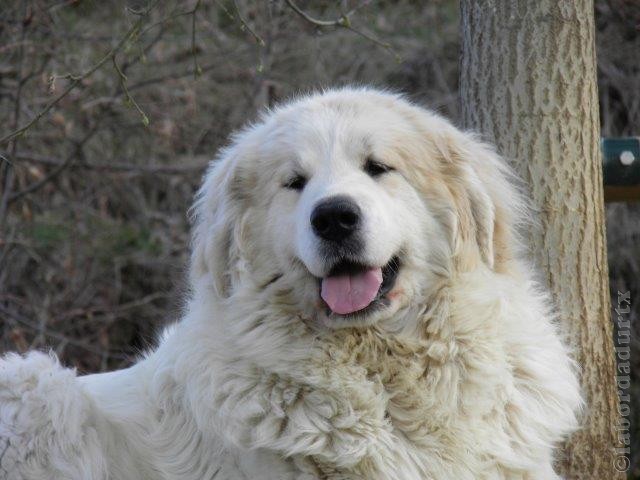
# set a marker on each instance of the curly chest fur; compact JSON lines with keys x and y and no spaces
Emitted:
{"x":415,"y":402}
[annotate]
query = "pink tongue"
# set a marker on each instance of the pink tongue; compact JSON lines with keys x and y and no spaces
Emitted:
{"x":350,"y":293}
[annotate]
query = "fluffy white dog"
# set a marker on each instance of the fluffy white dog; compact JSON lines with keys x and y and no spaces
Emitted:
{"x":359,"y":308}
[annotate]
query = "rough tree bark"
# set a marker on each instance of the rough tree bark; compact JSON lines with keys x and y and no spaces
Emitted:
{"x":528,"y":84}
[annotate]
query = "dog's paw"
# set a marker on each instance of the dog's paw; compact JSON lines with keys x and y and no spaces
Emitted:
{"x":44,"y":420}
{"x":299,"y":420}
{"x":332,"y":429}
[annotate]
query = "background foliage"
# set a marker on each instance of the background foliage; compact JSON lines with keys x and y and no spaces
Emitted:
{"x":93,"y":198}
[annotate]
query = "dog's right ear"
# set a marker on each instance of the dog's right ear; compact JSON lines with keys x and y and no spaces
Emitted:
{"x":214,"y":217}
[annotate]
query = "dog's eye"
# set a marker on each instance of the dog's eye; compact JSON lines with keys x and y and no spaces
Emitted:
{"x":296,"y":182}
{"x":375,"y":168}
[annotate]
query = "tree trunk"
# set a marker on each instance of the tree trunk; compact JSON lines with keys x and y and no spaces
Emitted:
{"x":528,"y":84}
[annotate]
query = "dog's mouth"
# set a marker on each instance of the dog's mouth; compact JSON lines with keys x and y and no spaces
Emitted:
{"x":352,"y":288}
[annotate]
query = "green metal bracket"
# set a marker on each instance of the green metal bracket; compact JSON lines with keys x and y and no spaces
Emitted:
{"x":621,"y":161}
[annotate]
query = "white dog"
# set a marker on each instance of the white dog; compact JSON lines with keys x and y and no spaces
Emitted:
{"x":359,"y":308}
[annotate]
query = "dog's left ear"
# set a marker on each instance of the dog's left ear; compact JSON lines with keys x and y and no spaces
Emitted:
{"x":483,"y":215}
{"x":486,"y":197}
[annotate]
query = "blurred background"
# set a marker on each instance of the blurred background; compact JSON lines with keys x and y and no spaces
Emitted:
{"x":93,"y":198}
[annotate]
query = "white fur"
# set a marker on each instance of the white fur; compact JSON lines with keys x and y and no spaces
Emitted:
{"x":462,"y":376}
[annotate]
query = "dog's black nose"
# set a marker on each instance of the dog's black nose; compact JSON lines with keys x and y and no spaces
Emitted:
{"x":335,"y":218}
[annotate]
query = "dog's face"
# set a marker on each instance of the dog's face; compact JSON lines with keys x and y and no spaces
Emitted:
{"x":353,"y":220}
{"x":354,"y":202}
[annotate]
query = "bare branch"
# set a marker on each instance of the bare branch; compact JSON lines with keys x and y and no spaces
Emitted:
{"x":243,"y":23}
{"x":197,"y":71}
{"x":77,"y":79}
{"x":129,"y":100}
{"x":9,"y":173}
{"x":97,"y":310}
{"x":59,"y":336}
{"x":56,"y":171}
{"x":344,"y":21}
{"x":185,"y":168}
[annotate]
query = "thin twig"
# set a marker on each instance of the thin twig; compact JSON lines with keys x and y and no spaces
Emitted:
{"x":164,"y":20}
{"x":175,"y":75}
{"x":129,"y":100}
{"x":344,"y":21}
{"x":197,"y":71}
{"x":243,"y":23}
{"x":117,"y":309}
{"x":128,"y":63}
{"x":8,"y":179}
{"x":59,"y":336}
{"x":77,"y":79}
{"x":56,"y":171}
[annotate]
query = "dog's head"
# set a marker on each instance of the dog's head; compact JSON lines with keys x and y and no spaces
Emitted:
{"x":356,"y":202}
